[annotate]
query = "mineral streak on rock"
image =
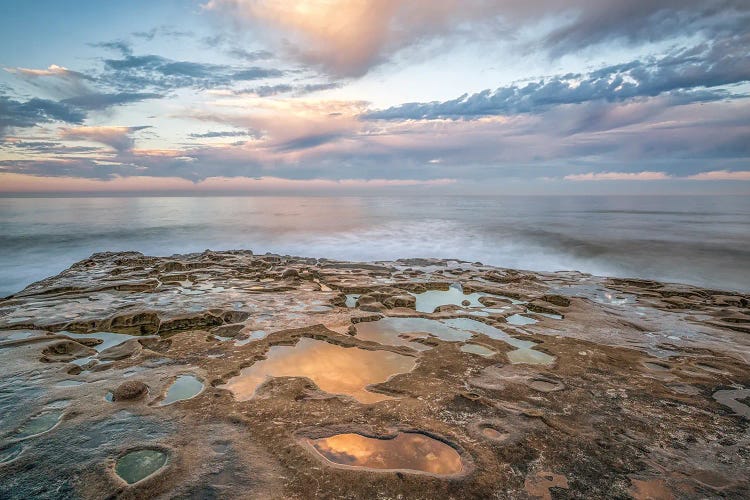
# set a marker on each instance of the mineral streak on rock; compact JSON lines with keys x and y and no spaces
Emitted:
{"x":518,"y":384}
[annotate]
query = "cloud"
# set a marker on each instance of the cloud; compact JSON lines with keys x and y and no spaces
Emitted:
{"x":57,"y":80}
{"x":98,"y":101}
{"x":34,"y":112}
{"x":78,"y":89}
{"x":721,"y":175}
{"x":133,"y":72}
{"x":120,"y":46}
{"x":15,"y":183}
{"x":618,"y":176}
{"x":285,"y":88}
{"x":162,"y":31}
{"x":250,"y":56}
{"x":715,"y":175}
{"x":118,"y":138}
{"x":230,"y":133}
{"x":690,"y":75}
{"x":349,"y":37}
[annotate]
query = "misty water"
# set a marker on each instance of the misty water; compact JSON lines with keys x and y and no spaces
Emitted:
{"x":698,"y":240}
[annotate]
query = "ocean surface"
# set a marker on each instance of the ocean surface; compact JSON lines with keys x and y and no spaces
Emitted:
{"x":697,"y":240}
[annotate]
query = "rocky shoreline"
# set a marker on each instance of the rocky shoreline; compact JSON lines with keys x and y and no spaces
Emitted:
{"x":233,"y":375}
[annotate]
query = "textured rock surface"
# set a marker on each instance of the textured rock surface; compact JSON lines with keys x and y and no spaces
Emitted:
{"x":626,"y":409}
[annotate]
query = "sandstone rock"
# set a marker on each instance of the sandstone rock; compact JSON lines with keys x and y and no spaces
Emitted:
{"x":125,"y":350}
{"x":65,"y":351}
{"x":130,"y":390}
{"x":558,"y":300}
{"x":290,"y":273}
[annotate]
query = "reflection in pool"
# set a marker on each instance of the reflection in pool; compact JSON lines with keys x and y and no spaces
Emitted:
{"x":38,"y":424}
{"x":334,"y":369}
{"x":478,"y":349}
{"x":520,"y":320}
{"x":140,"y":464}
{"x":408,"y":451}
{"x":388,"y":331}
{"x":184,"y":387}
{"x":351,"y":299}
{"x":429,"y":300}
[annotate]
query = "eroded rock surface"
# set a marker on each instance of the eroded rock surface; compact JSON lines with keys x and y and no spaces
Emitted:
{"x":619,"y":388}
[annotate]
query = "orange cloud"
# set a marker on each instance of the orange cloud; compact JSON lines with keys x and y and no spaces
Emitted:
{"x":347,"y":37}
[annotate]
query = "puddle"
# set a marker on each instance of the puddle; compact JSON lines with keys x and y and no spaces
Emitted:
{"x":478,"y":349}
{"x":520,"y":320}
{"x":736,"y":399}
{"x":408,"y":451}
{"x":429,"y":300}
{"x":351,"y":300}
{"x":22,"y":335}
{"x":334,"y":369}
{"x":595,"y":293}
{"x":138,"y":465}
{"x":253,"y":336}
{"x":184,"y":387}
{"x":388,"y":331}
{"x":10,"y":452}
{"x":109,"y":396}
{"x":38,"y":424}
{"x":69,"y":383}
{"x":530,"y":357}
{"x":108,"y":339}
{"x":550,"y":315}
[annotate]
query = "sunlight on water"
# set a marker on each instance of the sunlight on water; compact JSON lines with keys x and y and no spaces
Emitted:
{"x":334,"y":369}
{"x":407,"y":451}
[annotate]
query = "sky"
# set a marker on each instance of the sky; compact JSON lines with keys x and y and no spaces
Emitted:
{"x":360,"y":96}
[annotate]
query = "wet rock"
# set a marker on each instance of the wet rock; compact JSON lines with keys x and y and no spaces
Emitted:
{"x":542,"y":307}
{"x":400,"y":301}
{"x":558,"y":300}
{"x":228,"y":330}
{"x":129,"y":391}
{"x":65,"y":351}
{"x":125,"y":350}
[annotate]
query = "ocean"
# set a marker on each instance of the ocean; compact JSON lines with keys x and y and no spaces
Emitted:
{"x":700,"y":240}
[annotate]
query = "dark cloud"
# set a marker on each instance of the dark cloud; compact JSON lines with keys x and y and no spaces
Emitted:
{"x":250,"y":56}
{"x":256,"y":74}
{"x":162,"y":31}
{"x":640,"y":21}
{"x":120,"y":46}
{"x":690,"y":75}
{"x":267,"y":90}
{"x":99,"y":101}
{"x":308,"y":142}
{"x":152,"y":71}
{"x":24,"y":114}
{"x":56,"y":148}
{"x":285,"y":88}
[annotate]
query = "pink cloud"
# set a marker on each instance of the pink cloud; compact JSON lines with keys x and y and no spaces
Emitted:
{"x":721,"y":175}
{"x":22,"y":183}
{"x":618,"y":176}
